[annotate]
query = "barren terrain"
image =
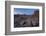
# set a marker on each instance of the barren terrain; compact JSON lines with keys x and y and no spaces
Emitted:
{"x":27,"y":20}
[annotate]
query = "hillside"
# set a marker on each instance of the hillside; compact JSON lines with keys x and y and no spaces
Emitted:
{"x":27,"y":20}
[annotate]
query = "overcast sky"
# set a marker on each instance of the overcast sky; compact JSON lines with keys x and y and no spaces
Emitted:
{"x":22,"y":11}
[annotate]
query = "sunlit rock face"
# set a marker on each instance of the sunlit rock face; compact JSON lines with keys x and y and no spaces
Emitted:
{"x":27,"y":20}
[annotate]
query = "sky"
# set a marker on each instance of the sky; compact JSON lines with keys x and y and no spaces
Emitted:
{"x":25,"y":11}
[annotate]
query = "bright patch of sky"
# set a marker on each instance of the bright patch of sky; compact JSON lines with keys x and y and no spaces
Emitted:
{"x":25,"y":11}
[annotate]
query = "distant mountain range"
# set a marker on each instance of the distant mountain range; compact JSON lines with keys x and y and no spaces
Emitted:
{"x":20,"y":13}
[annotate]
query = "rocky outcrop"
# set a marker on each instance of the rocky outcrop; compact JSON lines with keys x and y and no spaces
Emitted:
{"x":27,"y":20}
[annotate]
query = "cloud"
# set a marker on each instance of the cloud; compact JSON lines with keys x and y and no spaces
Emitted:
{"x":18,"y":13}
{"x":22,"y":13}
